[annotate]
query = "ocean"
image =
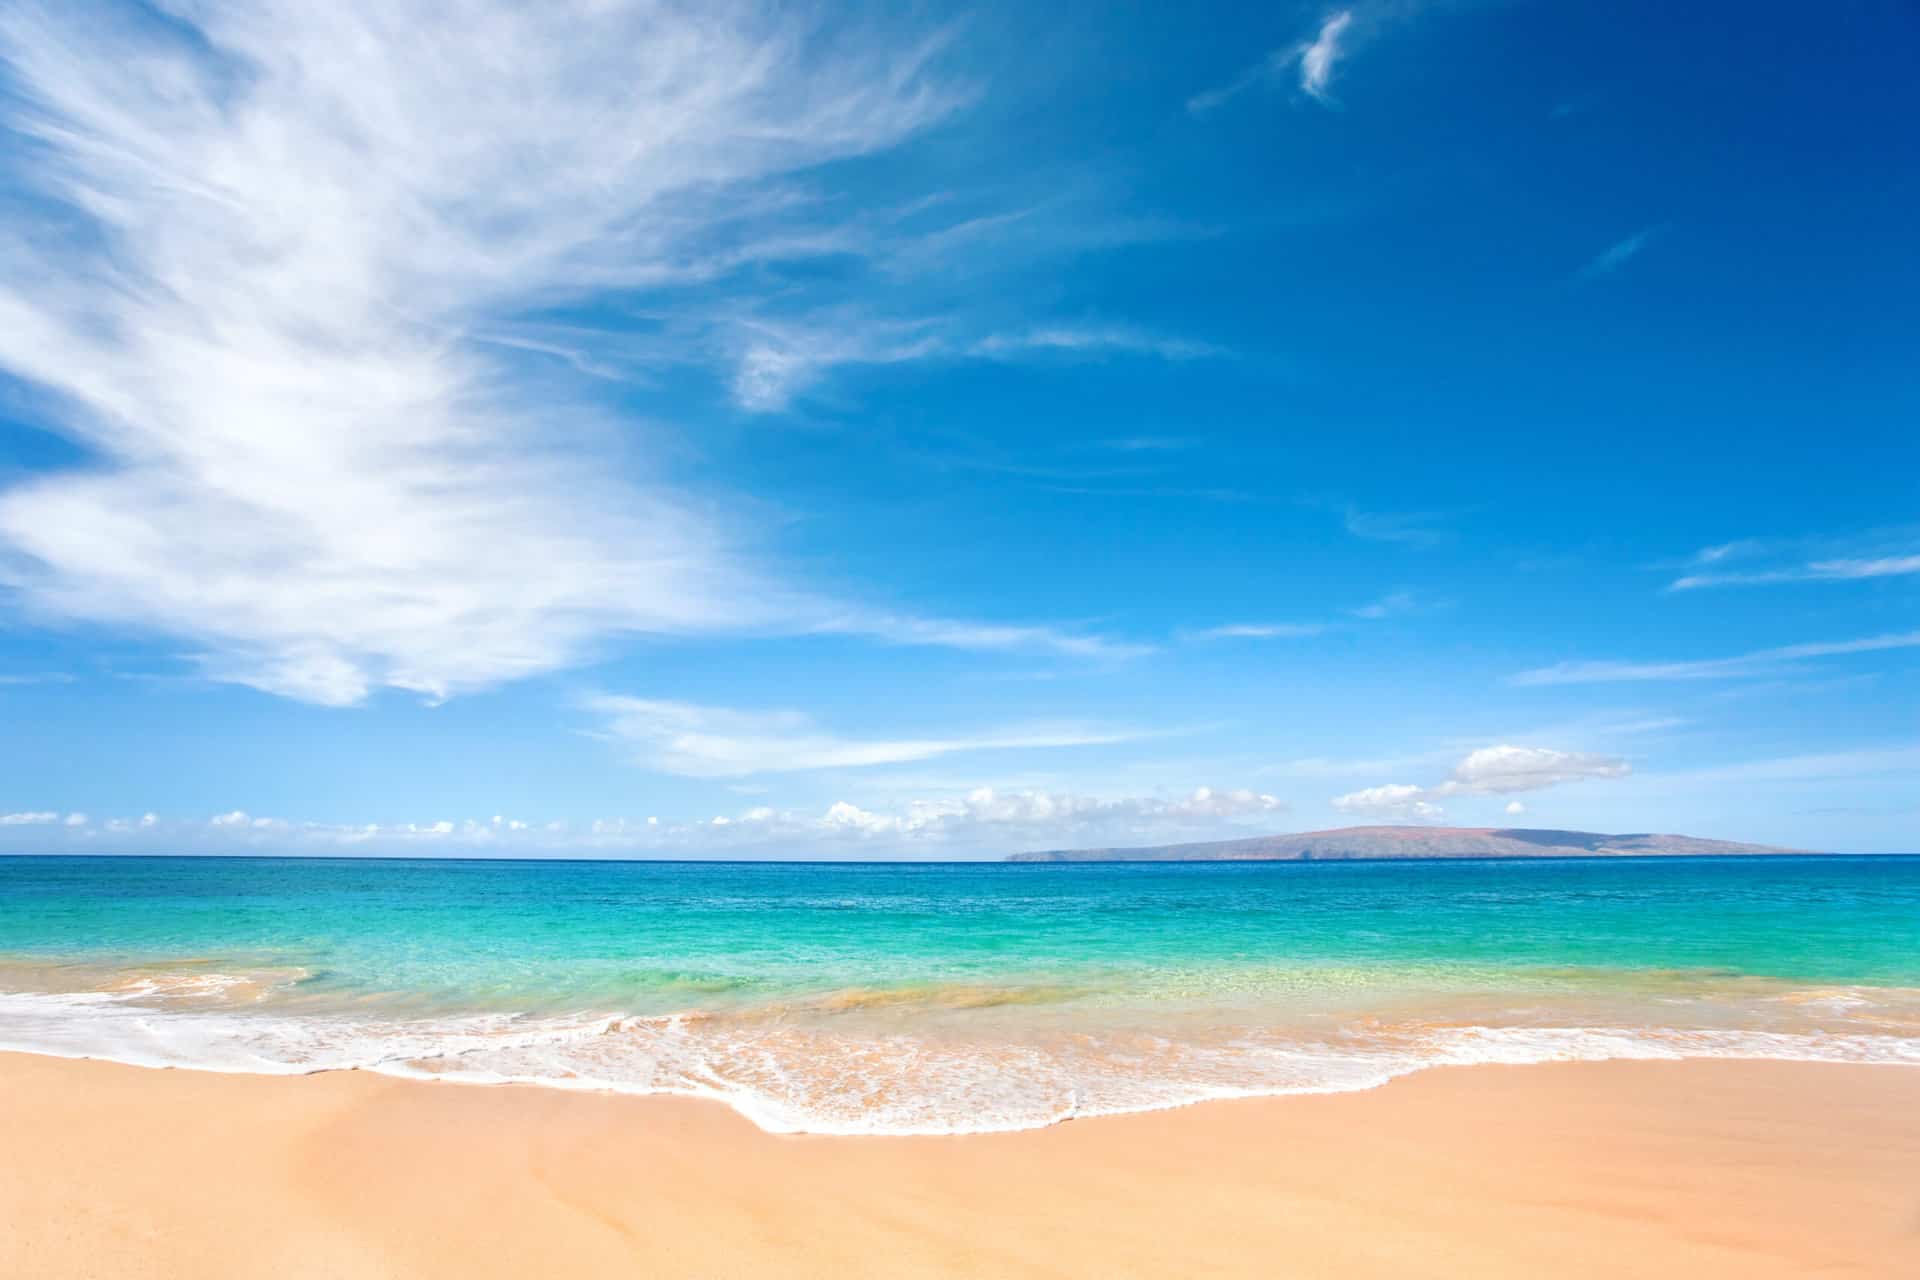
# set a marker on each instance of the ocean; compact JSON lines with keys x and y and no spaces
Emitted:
{"x":949,"y":998}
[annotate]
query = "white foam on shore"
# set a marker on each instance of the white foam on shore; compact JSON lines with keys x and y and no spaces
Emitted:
{"x":790,"y":1078}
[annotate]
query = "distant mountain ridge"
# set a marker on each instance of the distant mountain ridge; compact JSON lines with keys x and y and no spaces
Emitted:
{"x":1359,"y":843}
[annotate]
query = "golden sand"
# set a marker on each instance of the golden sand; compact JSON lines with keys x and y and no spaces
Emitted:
{"x":1697,"y":1170}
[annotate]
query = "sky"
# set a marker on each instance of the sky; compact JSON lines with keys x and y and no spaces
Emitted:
{"x":922,"y":431}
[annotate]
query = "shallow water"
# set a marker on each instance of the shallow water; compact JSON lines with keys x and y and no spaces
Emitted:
{"x":912,"y":998}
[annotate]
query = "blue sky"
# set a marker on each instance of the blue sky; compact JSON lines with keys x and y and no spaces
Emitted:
{"x":713,"y":430}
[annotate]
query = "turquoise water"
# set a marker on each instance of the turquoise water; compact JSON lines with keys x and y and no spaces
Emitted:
{"x":953,"y":997}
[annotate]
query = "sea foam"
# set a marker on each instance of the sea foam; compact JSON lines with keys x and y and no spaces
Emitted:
{"x":791,"y":1078}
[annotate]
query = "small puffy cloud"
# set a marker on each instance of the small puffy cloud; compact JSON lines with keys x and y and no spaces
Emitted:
{"x":1489,"y":771}
{"x":76,"y":819}
{"x":1503,"y":769}
{"x":1396,"y":800}
{"x":842,"y":816}
{"x":1515,"y":808}
{"x":232,"y":818}
{"x":1205,"y":801}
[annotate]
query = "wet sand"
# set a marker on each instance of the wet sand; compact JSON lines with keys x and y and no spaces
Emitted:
{"x":1700,"y":1169}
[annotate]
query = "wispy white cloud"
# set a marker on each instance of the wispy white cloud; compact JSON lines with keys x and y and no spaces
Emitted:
{"x":1263,"y":631}
{"x":1840,"y":569}
{"x":1899,"y":762}
{"x":1877,"y":567}
{"x":1148,"y":444}
{"x":1886,"y":552}
{"x":1266,"y":71}
{"x":717,"y":742}
{"x":1617,"y":254}
{"x":1387,"y":606}
{"x":270,"y":296}
{"x":33,"y":818}
{"x":984,"y":637}
{"x":1317,"y":59}
{"x":1746,"y":664}
{"x":778,"y":361}
{"x":1414,"y":528}
{"x":1310,"y":63}
{"x":1092,"y":341}
{"x":1727,"y":550}
{"x":35,"y":677}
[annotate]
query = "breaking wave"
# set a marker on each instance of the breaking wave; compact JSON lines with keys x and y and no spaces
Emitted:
{"x":922,"y":1060}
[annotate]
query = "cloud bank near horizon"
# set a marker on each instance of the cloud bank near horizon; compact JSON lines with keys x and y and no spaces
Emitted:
{"x":983,"y":822}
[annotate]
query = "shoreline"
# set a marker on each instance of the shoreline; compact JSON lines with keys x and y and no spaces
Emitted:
{"x":766,"y":1114}
{"x":1746,"y":1168}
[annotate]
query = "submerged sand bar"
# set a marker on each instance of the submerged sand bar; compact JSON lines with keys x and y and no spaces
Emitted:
{"x":1695,"y":1169}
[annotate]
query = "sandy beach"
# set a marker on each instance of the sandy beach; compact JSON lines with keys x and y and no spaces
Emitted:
{"x":1698,"y":1168}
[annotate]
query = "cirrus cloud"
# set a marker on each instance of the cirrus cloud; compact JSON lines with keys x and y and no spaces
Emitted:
{"x":268,"y":279}
{"x":718,"y":742}
{"x":1759,"y":662}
